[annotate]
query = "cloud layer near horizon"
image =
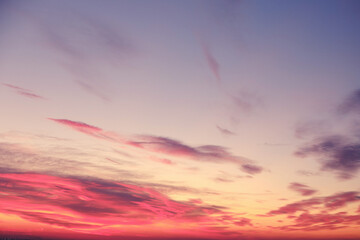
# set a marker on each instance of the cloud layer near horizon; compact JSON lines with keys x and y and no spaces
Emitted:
{"x":91,"y":204}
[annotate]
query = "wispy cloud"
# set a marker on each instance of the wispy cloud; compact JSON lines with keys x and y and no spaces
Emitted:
{"x":311,"y":128}
{"x":167,"y":146}
{"x":83,"y":47}
{"x":321,"y":221}
{"x":307,"y":173}
{"x":302,"y":189}
{"x":339,"y":153}
{"x":163,"y":160}
{"x":18,"y":157}
{"x":328,"y":203}
{"x":211,"y":61}
{"x":225,"y":131}
{"x":24,"y":92}
{"x":91,"y":205}
{"x":351,"y":104}
{"x":245,"y":102}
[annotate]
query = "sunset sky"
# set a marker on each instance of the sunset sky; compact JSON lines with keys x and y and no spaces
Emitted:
{"x":187,"y":120}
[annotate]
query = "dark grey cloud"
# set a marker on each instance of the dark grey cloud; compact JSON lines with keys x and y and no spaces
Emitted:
{"x":337,"y":154}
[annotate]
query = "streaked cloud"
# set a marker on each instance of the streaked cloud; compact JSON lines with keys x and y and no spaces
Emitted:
{"x":322,"y":221}
{"x":351,"y":104}
{"x":302,"y":189}
{"x":225,"y":131}
{"x":92,"y":204}
{"x":211,"y":61}
{"x":338,"y":154}
{"x":24,"y":92}
{"x":328,"y":203}
{"x":167,"y":146}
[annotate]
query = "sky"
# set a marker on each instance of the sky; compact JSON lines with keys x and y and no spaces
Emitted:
{"x":169,"y":120}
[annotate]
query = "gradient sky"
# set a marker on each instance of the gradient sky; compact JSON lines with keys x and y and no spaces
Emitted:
{"x":155,"y":119}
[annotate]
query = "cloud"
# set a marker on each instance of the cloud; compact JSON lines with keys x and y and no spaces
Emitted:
{"x":304,"y":190}
{"x":110,"y":39}
{"x":79,"y":126}
{"x":84,"y":48}
{"x":23,"y":91}
{"x":243,"y":102}
{"x":251,"y":169}
{"x":311,"y":128}
{"x":19,"y":158}
{"x":337,"y":153}
{"x":166,"y":146}
{"x":351,"y":104}
{"x":306,"y":173}
{"x":223,"y":179}
{"x":91,"y":204}
{"x":89,"y":130}
{"x":328,"y":203}
{"x":225,"y":131}
{"x":211,"y":61}
{"x":163,"y":161}
{"x":322,"y":221}
{"x":92,"y":89}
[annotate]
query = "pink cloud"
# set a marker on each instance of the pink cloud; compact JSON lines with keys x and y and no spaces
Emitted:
{"x":80,"y":126}
{"x":93,"y":205}
{"x":163,"y":160}
{"x":328,"y":203}
{"x":322,"y":221}
{"x":304,"y":190}
{"x":167,"y":146}
{"x":23,"y":91}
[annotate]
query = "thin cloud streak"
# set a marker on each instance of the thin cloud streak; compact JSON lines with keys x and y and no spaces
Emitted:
{"x":167,"y":146}
{"x":302,"y":189}
{"x":328,"y":203}
{"x":211,"y":61}
{"x":225,"y":131}
{"x":20,"y":158}
{"x":24,"y":92}
{"x":100,"y":41}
